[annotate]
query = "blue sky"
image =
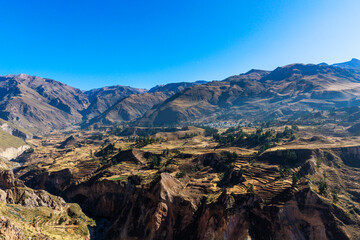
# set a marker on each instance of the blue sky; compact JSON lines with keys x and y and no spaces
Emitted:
{"x":89,"y":44}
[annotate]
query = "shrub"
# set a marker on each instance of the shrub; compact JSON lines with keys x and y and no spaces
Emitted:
{"x":62,"y":220}
{"x":74,"y":211}
{"x":7,"y":223}
{"x":318,"y":162}
{"x":180,"y":174}
{"x":295,"y":127}
{"x":284,"y":171}
{"x":195,"y":168}
{"x":334,"y":194}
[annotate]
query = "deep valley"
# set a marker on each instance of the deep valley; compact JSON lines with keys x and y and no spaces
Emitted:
{"x":260,"y":155}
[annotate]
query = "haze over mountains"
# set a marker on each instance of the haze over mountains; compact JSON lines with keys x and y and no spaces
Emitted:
{"x":41,"y":105}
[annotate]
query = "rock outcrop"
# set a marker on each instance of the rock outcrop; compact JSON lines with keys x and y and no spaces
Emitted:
{"x":8,"y":231}
{"x":162,"y":212}
{"x":12,"y":152}
{"x":14,"y":131}
{"x":13,"y":191}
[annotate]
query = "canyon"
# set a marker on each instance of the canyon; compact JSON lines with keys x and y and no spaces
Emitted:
{"x":260,"y":155}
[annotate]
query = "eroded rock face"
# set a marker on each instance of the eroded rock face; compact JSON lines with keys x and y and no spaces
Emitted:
{"x":7,"y":180}
{"x":12,"y":153}
{"x":33,"y":198}
{"x":53,"y":182}
{"x":15,"y":132}
{"x":305,"y":216}
{"x":3,"y":195}
{"x":159,"y":213}
{"x":13,"y":191}
{"x":173,"y":216}
{"x":9,"y":231}
{"x":168,"y":209}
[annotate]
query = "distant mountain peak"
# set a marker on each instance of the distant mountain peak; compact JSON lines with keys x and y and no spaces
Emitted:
{"x":175,"y":87}
{"x":20,"y":75}
{"x":201,"y":81}
{"x":354,"y":64}
{"x":255,"y":71}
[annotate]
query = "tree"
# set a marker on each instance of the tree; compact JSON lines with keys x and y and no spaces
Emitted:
{"x":180,"y":174}
{"x":323,"y":187}
{"x":295,"y":180}
{"x":334,"y":194}
{"x":166,"y":152}
{"x":62,"y":220}
{"x":250,"y":189}
{"x":295,"y":127}
{"x":284,"y":171}
{"x":155,"y":162}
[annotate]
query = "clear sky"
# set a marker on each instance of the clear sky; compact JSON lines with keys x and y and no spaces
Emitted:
{"x":89,"y":44}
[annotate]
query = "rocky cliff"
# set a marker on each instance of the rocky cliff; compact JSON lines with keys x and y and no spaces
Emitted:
{"x":27,"y":213}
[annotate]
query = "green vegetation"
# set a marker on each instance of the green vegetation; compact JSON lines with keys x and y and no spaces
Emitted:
{"x":295,"y":180}
{"x":323,"y":187}
{"x":143,"y":141}
{"x":318,"y":162}
{"x":119,"y":178}
{"x":230,"y":156}
{"x":109,"y":149}
{"x":209,"y":131}
{"x":181,"y":174}
{"x":189,"y":135}
{"x":143,"y":132}
{"x":284,"y":171}
{"x":48,"y":222}
{"x":155,"y":162}
{"x":235,"y":136}
{"x":290,"y":155}
{"x":7,"y":140}
{"x":62,"y":220}
{"x":73,"y":211}
{"x":166,"y":152}
{"x":334,"y":194}
{"x":250,"y":189}
{"x":195,"y":168}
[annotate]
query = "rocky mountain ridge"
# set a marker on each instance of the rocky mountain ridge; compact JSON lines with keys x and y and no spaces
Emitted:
{"x":41,"y":105}
{"x":260,"y":95}
{"x":353,"y":64}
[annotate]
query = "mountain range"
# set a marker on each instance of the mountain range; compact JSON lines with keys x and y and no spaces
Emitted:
{"x":259,"y":155}
{"x":41,"y":105}
{"x":261,"y":95}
